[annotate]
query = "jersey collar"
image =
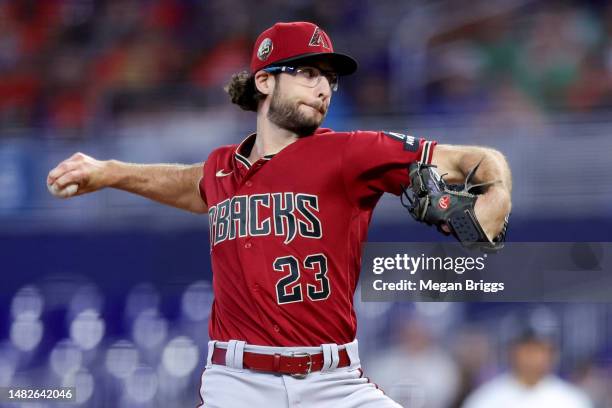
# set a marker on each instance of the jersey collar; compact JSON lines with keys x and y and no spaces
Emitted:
{"x":244,"y":149}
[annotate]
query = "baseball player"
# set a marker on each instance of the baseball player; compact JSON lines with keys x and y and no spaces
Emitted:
{"x":289,"y":208}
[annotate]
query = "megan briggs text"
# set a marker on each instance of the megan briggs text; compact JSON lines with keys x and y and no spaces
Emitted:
{"x":429,"y":285}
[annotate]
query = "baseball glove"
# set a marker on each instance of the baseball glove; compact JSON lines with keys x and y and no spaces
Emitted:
{"x":450,"y":207}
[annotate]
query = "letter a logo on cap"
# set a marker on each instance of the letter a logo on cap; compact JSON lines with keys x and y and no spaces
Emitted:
{"x":318,"y":40}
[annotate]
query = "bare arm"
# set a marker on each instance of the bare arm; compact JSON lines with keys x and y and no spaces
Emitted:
{"x":171,"y":184}
{"x":492,"y":207}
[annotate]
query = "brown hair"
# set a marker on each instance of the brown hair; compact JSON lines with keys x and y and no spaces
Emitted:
{"x":242,"y":91}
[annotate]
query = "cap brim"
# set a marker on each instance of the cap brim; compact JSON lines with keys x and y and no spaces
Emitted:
{"x":341,"y":64}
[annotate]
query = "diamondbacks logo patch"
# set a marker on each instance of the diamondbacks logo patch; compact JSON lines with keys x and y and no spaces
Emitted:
{"x":318,"y":39}
{"x":265,"y":49}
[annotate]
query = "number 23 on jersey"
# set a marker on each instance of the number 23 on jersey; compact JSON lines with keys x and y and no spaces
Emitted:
{"x":290,"y":288}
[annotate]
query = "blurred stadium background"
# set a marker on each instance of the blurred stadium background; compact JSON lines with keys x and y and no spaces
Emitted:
{"x":111,"y":292}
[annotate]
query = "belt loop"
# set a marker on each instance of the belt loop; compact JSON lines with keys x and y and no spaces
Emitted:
{"x":239,"y":354}
{"x":211,"y":349}
{"x":234,"y":354}
{"x":331,"y":357}
{"x":352,"y":349}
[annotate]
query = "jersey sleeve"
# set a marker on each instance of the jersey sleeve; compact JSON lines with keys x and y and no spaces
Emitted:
{"x":377,"y":162}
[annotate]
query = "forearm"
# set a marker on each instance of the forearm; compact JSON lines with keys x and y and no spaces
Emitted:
{"x":171,"y":184}
{"x":457,"y":161}
{"x":493,"y":167}
{"x":495,"y":204}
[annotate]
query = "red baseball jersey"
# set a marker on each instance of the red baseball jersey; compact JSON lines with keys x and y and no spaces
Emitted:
{"x":286,"y":232}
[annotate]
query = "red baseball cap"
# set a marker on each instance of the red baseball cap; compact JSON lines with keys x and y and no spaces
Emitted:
{"x":284,"y":43}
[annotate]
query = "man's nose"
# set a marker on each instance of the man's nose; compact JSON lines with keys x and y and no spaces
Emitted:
{"x":323,"y":89}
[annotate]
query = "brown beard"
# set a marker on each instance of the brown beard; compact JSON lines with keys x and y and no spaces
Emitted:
{"x":287,"y":116}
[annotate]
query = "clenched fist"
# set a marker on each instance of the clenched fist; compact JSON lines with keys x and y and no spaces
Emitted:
{"x":77,"y":175}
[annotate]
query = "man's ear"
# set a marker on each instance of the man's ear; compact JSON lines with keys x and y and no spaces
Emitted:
{"x":264,"y":82}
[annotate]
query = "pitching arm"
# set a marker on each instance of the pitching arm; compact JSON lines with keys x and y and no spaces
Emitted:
{"x":175,"y":185}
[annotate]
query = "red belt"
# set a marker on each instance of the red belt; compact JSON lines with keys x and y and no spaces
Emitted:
{"x":296,"y":364}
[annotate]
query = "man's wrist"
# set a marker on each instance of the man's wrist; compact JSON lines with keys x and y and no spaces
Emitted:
{"x":113,"y":173}
{"x":492,"y":209}
{"x":499,"y":194}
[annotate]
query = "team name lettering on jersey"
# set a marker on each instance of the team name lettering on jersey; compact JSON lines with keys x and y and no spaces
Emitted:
{"x":242,"y":216}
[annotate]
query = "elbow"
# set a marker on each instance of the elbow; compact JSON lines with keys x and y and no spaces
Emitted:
{"x":192,"y":203}
{"x":198,"y":208}
{"x":495,"y":155}
{"x":499,"y":156}
{"x":506,"y":201}
{"x":200,"y":211}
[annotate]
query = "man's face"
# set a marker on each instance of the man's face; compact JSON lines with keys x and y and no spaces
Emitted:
{"x":532,"y":360}
{"x":299,"y":108}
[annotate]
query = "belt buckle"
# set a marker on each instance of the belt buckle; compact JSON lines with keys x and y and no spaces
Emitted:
{"x":308,"y":364}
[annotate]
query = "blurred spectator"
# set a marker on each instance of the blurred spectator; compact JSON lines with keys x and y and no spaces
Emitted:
{"x":475,"y":356}
{"x":416,"y":372}
{"x":594,"y":378}
{"x":530,"y":382}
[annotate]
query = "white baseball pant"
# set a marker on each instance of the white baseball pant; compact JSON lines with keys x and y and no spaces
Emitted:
{"x":232,"y":386}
